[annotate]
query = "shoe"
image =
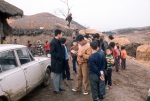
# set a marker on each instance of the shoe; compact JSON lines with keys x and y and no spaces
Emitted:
{"x":74,"y":90}
{"x":101,"y":97}
{"x":60,"y":89}
{"x":101,"y":100}
{"x":69,"y":79}
{"x":107,"y":88}
{"x":97,"y":99}
{"x":56,"y":92}
{"x":85,"y":93}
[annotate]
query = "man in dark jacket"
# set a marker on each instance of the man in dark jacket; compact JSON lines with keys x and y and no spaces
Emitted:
{"x":57,"y":60}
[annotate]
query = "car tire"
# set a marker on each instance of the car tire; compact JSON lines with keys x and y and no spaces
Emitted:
{"x":47,"y":78}
{"x":1,"y":99}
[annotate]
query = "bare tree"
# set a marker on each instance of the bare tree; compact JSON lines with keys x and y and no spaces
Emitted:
{"x":69,"y":15}
{"x":67,"y":4}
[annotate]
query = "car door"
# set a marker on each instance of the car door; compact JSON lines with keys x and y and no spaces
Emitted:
{"x":12,"y":78}
{"x":31,"y":68}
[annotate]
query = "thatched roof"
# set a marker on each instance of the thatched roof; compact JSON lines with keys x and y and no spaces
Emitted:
{"x":9,"y":10}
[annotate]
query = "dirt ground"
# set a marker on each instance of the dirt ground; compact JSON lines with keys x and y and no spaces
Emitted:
{"x":128,"y":85}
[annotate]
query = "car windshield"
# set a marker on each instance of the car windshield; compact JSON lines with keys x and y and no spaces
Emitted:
{"x":7,"y":61}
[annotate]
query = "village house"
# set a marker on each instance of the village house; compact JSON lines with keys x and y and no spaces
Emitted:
{"x":7,"y":11}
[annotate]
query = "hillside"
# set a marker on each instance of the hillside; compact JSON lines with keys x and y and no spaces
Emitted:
{"x":135,"y":35}
{"x":44,"y":20}
{"x":133,"y":30}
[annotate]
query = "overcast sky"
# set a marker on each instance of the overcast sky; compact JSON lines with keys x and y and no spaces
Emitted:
{"x":102,"y":15}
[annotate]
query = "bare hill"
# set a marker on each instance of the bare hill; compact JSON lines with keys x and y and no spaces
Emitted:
{"x":135,"y":35}
{"x":133,"y":30}
{"x":44,"y":20}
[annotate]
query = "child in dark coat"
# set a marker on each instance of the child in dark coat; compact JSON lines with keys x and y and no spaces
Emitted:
{"x":96,"y":65}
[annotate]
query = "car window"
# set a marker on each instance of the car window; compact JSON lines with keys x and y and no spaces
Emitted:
{"x":7,"y":61}
{"x":23,"y":56}
{"x":31,"y":56}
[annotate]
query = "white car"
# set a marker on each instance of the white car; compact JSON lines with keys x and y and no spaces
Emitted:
{"x":20,"y":72}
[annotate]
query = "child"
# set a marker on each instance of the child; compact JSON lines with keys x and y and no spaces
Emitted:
{"x":74,"y":51}
{"x":110,"y":64}
{"x":116,"y":55}
{"x":96,"y":65}
{"x":47,"y":48}
{"x":123,"y":57}
{"x":66,"y":73}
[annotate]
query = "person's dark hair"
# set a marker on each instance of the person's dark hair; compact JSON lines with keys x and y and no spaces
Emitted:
{"x":30,"y":45}
{"x":57,"y":31}
{"x":101,"y":40}
{"x":79,"y":37}
{"x":110,"y":37}
{"x":118,"y":47}
{"x":28,"y":41}
{"x":122,"y":47}
{"x":74,"y":38}
{"x":96,"y":36}
{"x":99,"y":43}
{"x":94,"y":45}
{"x":62,"y":40}
{"x":109,"y":47}
{"x":46,"y":41}
{"x":112,"y":44}
{"x":4,"y":38}
{"x":87,"y":36}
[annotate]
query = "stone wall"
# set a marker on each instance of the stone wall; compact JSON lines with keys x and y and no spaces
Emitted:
{"x":33,"y":39}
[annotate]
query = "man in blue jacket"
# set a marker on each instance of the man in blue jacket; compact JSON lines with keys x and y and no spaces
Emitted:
{"x":96,"y":67}
{"x":57,"y":61}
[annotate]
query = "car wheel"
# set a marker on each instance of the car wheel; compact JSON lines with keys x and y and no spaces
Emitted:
{"x":47,"y":77}
{"x":1,"y":99}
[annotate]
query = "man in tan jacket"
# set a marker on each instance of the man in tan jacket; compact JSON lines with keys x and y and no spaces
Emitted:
{"x":83,"y":70}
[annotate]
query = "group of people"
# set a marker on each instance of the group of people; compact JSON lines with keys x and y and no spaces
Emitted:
{"x":95,"y":59}
{"x":39,"y":48}
{"x":5,"y":42}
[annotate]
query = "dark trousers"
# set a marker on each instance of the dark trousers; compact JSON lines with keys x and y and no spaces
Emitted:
{"x":66,"y":73}
{"x":108,"y":76}
{"x":74,"y":62}
{"x":47,"y":52}
{"x":95,"y":86}
{"x":123,"y":63}
{"x":117,"y":64}
{"x":102,"y":89}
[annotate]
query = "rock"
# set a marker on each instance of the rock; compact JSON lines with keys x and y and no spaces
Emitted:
{"x":143,"y":52}
{"x":131,"y":49}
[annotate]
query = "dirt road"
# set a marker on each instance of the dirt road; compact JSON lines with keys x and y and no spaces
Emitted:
{"x":128,"y":85}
